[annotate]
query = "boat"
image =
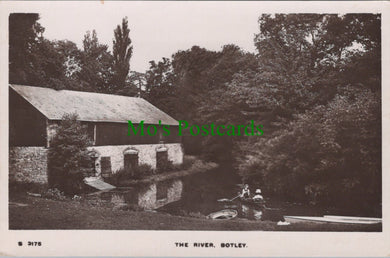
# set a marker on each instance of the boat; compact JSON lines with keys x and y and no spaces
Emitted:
{"x":332,"y":219}
{"x":223,"y":214}
{"x":349,"y":218}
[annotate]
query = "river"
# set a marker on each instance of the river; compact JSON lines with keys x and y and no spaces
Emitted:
{"x":197,"y":195}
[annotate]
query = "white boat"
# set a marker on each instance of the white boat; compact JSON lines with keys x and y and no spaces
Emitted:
{"x":353,"y":218}
{"x":332,"y":219}
{"x":223,"y":214}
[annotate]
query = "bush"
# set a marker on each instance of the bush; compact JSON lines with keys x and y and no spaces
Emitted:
{"x":138,"y":172}
{"x":68,"y":159}
{"x":188,"y":161}
{"x":330,"y":155}
{"x":168,"y":166}
{"x":54,"y":194}
{"x":165,"y":166}
{"x":143,"y":170}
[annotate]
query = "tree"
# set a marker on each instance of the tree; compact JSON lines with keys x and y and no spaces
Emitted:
{"x":24,"y":34}
{"x":68,"y":159}
{"x":95,"y":72}
{"x":49,"y":60}
{"x":161,"y":86}
{"x":122,"y":51}
{"x":192,"y":87}
{"x":330,"y":154}
{"x":139,"y":81}
{"x":323,"y":135}
{"x":37,"y":61}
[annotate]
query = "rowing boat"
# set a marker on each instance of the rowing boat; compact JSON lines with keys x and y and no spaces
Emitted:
{"x":353,"y":218}
{"x":223,"y":214}
{"x":251,"y":201}
{"x":332,"y":219}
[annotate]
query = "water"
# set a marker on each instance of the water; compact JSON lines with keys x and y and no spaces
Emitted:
{"x":197,"y":196}
{"x":144,"y":196}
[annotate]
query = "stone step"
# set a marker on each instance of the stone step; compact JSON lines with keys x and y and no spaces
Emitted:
{"x":98,"y":183}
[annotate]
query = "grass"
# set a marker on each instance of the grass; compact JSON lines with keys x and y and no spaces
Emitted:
{"x":41,"y":213}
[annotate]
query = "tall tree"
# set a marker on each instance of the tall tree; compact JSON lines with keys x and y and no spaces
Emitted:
{"x":24,"y":34}
{"x":122,"y":51}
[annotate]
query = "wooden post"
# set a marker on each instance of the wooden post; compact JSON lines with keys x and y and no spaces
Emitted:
{"x":47,"y":134}
{"x":94,"y":134}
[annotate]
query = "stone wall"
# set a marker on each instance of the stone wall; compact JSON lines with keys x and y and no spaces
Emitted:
{"x":146,"y":153}
{"x":28,"y":164}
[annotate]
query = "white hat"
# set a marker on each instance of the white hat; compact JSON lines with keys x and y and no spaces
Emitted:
{"x":258,"y":191}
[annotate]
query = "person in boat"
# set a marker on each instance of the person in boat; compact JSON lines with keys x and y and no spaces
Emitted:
{"x":245,"y":193}
{"x":258,"y":197}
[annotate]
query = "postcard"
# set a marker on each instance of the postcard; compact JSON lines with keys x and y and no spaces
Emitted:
{"x":194,"y":128}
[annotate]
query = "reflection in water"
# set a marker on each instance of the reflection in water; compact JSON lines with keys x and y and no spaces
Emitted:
{"x":156,"y":195}
{"x":147,"y":197}
{"x":245,"y":209}
{"x":198,"y":194}
{"x":251,"y":212}
{"x":191,"y":195}
{"x":257,"y":214}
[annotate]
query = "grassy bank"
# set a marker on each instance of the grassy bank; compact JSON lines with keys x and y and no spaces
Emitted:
{"x":26,"y":212}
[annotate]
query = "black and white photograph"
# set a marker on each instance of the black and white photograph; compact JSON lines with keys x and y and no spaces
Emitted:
{"x":194,"y":119}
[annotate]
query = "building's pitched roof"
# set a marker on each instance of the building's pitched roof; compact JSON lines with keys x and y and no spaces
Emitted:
{"x":94,"y":107}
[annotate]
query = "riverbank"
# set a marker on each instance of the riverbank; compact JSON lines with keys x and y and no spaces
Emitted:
{"x":197,"y":166}
{"x":28,"y":212}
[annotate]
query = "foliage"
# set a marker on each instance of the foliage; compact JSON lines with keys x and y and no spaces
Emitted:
{"x":37,"y":61}
{"x":160,"y":85}
{"x":33,"y":59}
{"x":95,"y":65}
{"x":24,"y":34}
{"x":164,"y":166}
{"x":190,"y":86}
{"x":54,"y":194}
{"x":329,"y":154}
{"x":68,"y":159}
{"x":122,"y":51}
{"x":317,"y":90}
{"x":123,"y":174}
{"x":136,"y":84}
{"x":314,"y":85}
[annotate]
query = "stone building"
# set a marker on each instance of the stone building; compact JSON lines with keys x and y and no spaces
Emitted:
{"x":35,"y":112}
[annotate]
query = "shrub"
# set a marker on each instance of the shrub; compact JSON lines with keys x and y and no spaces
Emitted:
{"x":330,"y":155}
{"x":188,"y":161}
{"x":144,"y":170}
{"x":165,"y":166}
{"x":68,"y":159}
{"x":54,"y":194}
{"x":138,"y":172}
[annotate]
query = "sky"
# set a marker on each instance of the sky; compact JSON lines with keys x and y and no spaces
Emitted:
{"x":157,"y":29}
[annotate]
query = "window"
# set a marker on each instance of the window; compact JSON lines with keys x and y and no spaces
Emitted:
{"x":162,"y":159}
{"x":130,"y":162}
